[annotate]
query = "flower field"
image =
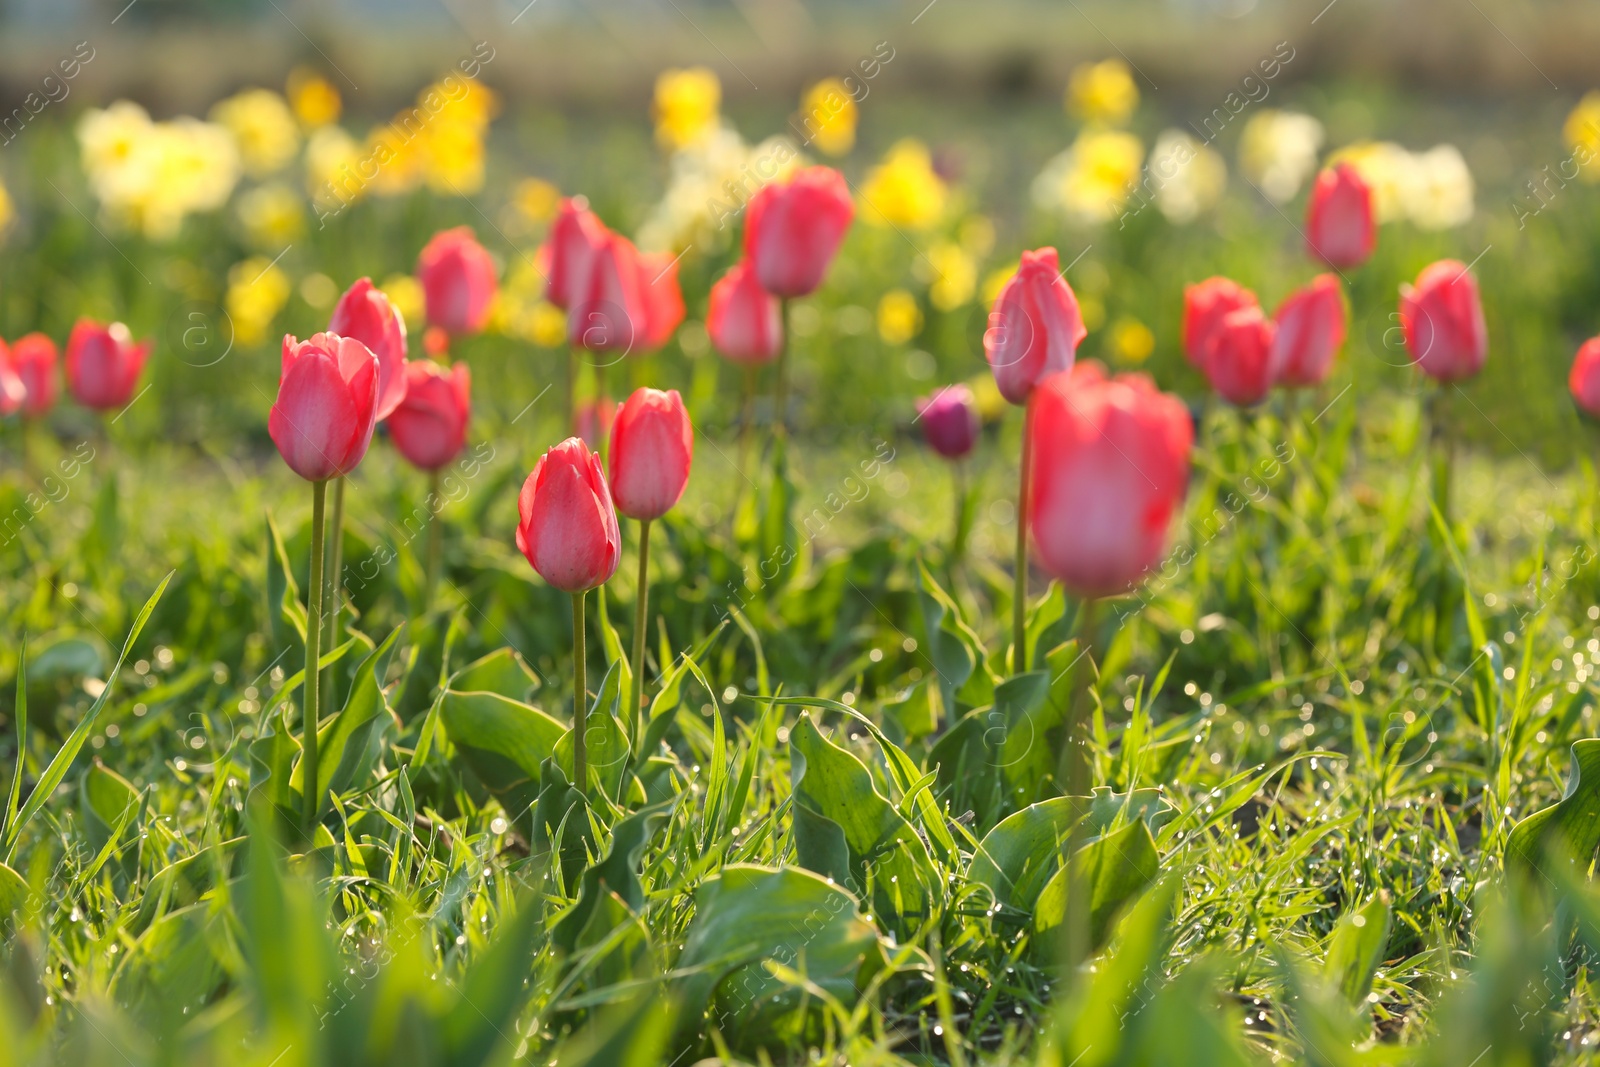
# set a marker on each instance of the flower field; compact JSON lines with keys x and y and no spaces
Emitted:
{"x":1084,"y":578}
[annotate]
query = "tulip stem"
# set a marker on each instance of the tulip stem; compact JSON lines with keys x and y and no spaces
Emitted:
{"x":332,"y":587}
{"x":780,"y":390}
{"x":746,"y":435}
{"x":435,"y":540}
{"x":958,"y":533}
{"x":572,"y":391}
{"x":1078,"y":787}
{"x":1019,"y":605}
{"x":641,"y":619}
{"x":308,"y":719}
{"x":1443,"y":453}
{"x":580,"y":699}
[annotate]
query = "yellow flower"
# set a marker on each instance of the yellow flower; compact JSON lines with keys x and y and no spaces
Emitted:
{"x":110,"y":138}
{"x":257,"y":291}
{"x":828,"y":117}
{"x":392,"y":157}
{"x":452,"y":157}
{"x":903,"y":190}
{"x":272,"y":214}
{"x":315,"y":99}
{"x":1187,"y":177}
{"x":955,"y":276}
{"x":1103,"y":93}
{"x":536,"y":199}
{"x":995,"y":282}
{"x":332,"y":179}
{"x":405,"y":293}
{"x":899,"y":317}
{"x":1132,"y":340}
{"x":1440,"y":193}
{"x":460,"y":100}
{"x":1582,"y":134}
{"x":7,"y":212}
{"x":547,"y":325}
{"x":260,"y":120}
{"x":686,"y":106}
{"x":1278,"y":152}
{"x":1091,"y":181}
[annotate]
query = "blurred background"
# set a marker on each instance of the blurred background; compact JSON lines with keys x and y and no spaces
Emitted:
{"x":176,"y":164}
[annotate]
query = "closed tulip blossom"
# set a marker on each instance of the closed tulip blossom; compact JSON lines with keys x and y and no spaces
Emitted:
{"x":103,"y":364}
{"x":366,"y":314}
{"x":950,"y":421}
{"x":567,"y":528}
{"x":1034,"y":331}
{"x":33,"y":357}
{"x":652,"y":447}
{"x":1340,"y":228}
{"x":12,"y":391}
{"x":609,"y":313}
{"x":1584,"y":380}
{"x":574,"y":236}
{"x":1112,"y":463}
{"x":1442,"y":320}
{"x":429,"y":426}
{"x":1240,"y":362}
{"x":1205,"y":304}
{"x":744,"y":320}
{"x":1035,"y":327}
{"x":458,"y":281}
{"x":1310,"y":330}
{"x":794,"y":227}
{"x":662,"y":298}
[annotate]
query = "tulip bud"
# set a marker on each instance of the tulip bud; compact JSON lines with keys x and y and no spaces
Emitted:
{"x":1111,"y":464}
{"x":430,"y":424}
{"x":609,"y":314}
{"x":1311,"y":327}
{"x":793,"y":229}
{"x":458,"y":281}
{"x":1204,"y":306}
{"x":103,"y":364}
{"x":567,"y":526}
{"x":652,"y":446}
{"x":12,"y":390}
{"x":663,"y":300}
{"x":1584,"y":381}
{"x":1034,"y":328}
{"x":327,"y":403}
{"x":1442,"y":319}
{"x":1339,"y":221}
{"x":574,"y":236}
{"x":34,"y":359}
{"x":950,"y":420}
{"x":1240,"y":363}
{"x":744,"y":320}
{"x":366,"y":314}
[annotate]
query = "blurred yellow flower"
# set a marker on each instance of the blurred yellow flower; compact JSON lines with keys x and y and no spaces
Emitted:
{"x":149,"y":175}
{"x":271,"y":214}
{"x":903,"y":190}
{"x":461,"y":100}
{"x":1188,"y":177}
{"x":314,"y":99}
{"x":1385,"y":166}
{"x":1433,"y":189}
{"x":1278,"y":152}
{"x":828,"y":117}
{"x":1091,"y":181}
{"x":1132,"y":340}
{"x":452,"y":158}
{"x":1102,"y":93}
{"x":996,"y":281}
{"x":7,"y":212}
{"x":521,"y":311}
{"x":899,"y":317}
{"x":547,"y":325}
{"x":260,"y":120}
{"x":686,"y":106}
{"x":257,"y":291}
{"x":405,"y":293}
{"x":332,"y":156}
{"x":391,"y":160}
{"x":955,"y":276}
{"x":536,"y":199}
{"x":1582,"y":134}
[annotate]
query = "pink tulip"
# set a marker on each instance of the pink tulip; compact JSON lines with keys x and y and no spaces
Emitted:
{"x":744,"y":320}
{"x":327,"y":405}
{"x":1240,"y":362}
{"x":950,"y":421}
{"x":13,"y":393}
{"x":568,"y":527}
{"x":34,"y":359}
{"x":1339,"y":219}
{"x":366,"y":314}
{"x":1204,"y":306}
{"x":610,"y":313}
{"x":103,"y":364}
{"x":574,"y":236}
{"x":1034,"y":328}
{"x":594,"y":419}
{"x":1111,"y":468}
{"x":793,"y":229}
{"x":1584,"y":381}
{"x":663,"y":300}
{"x":430,"y":424}
{"x":652,"y":446}
{"x":1442,"y":319}
{"x":458,"y":281}
{"x":1311,"y":327}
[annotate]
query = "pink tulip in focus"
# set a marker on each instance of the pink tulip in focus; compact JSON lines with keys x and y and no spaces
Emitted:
{"x":652,"y":447}
{"x":327,"y":405}
{"x":366,"y":314}
{"x":1034,"y":328}
{"x":567,"y":526}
